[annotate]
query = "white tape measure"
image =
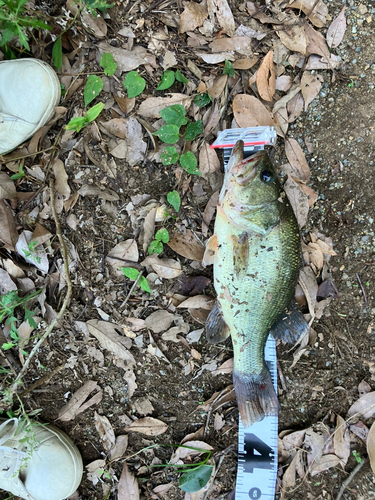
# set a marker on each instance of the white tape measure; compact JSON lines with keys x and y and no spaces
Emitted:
{"x":257,"y":445}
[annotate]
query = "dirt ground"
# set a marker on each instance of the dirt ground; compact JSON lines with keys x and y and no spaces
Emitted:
{"x":340,"y":124}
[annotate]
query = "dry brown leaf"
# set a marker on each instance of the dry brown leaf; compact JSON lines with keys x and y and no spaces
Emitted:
{"x":109,"y":339}
{"x":61,"y":177}
{"x":6,"y":283}
{"x":289,"y":477}
{"x":216,"y":58}
{"x":128,"y":488}
{"x":297,"y":160}
{"x":76,"y":405}
{"x":151,"y":106}
{"x":223,"y":13}
{"x":265,"y":78}
{"x":283,"y":83}
{"x":317,"y":62}
{"x":7,"y":188}
{"x":316,"y":11}
{"x":295,"y":107}
{"x":341,"y":440}
{"x":218,"y":86}
{"x":310,"y":86}
{"x":119,"y":448}
{"x":95,"y":25}
{"x":162,"y":489}
{"x":187,"y":245}
{"x":370,"y":444}
{"x":159,"y":321}
{"x":293,"y":35}
{"x":105,"y":431}
{"x":360,"y":430}
{"x":8,"y":229}
{"x":182,"y":453}
{"x":192,"y":17}
{"x":38,"y":258}
{"x":209,"y":212}
{"x":336,"y":30}
{"x":126,"y":104}
{"x":313,"y":254}
{"x":226,"y":367}
{"x":314,"y":443}
{"x":142,"y":406}
{"x":198,"y":302}
{"x":219,"y":399}
{"x":250,"y":112}
{"x":326,"y":248}
{"x":309,"y":286}
{"x":298,"y":200}
{"x":326,"y":462}
{"x":240,"y":44}
{"x":281,"y":121}
{"x":194,"y":436}
{"x":127,"y":60}
{"x":165,"y":268}
{"x":148,"y":426}
{"x":246,"y":63}
{"x":126,"y":250}
{"x":364,"y":407}
{"x":148,"y":229}
{"x":363,"y":388}
{"x":213,"y":120}
{"x":316,"y":43}
{"x":312,"y":196}
{"x":106,"y":194}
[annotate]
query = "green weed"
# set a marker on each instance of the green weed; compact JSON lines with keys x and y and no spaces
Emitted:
{"x":156,"y":246}
{"x":80,"y":122}
{"x":132,"y":274}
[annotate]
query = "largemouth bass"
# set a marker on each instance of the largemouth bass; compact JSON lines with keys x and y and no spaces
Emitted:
{"x":256,"y":255}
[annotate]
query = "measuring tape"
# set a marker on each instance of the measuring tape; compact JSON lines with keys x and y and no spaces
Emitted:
{"x":257,"y":445}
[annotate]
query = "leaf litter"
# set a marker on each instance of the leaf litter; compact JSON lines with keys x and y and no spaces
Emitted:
{"x":118,"y":149}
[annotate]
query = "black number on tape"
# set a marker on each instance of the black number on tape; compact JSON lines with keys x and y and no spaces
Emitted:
{"x":264,"y":457}
{"x":255,"y":493}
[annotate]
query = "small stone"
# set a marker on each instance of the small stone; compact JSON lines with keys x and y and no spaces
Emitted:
{"x":362,"y":9}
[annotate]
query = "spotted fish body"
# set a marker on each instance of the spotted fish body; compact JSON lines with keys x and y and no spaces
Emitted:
{"x":256,"y":252}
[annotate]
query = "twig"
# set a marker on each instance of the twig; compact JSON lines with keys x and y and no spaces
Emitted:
{"x":65,"y":303}
{"x":281,"y":377}
{"x":363,"y":290}
{"x":348,"y":480}
{"x":41,"y":381}
{"x":131,"y":290}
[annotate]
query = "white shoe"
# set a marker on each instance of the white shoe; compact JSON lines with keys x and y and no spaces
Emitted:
{"x":29,"y":90}
{"x":43,"y":464}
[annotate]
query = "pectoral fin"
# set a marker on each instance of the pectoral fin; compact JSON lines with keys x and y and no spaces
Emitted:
{"x":216,"y":328}
{"x":291,"y":327}
{"x":210,"y":253}
{"x":240,"y":254}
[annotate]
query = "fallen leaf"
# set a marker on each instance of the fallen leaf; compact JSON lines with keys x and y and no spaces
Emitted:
{"x":127,"y":60}
{"x":198,"y":302}
{"x":218,"y":86}
{"x":209,"y":212}
{"x":312,"y":196}
{"x":61,"y":177}
{"x":295,"y":107}
{"x":217,"y":57}
{"x":194,"y":336}
{"x":297,"y":160}
{"x":364,"y":407}
{"x":126,"y":250}
{"x":298,"y":200}
{"x":181,"y":453}
{"x":245,"y":63}
{"x":223,"y":14}
{"x":105,"y":431}
{"x":341,"y":440}
{"x":314,"y":444}
{"x":194,"y":436}
{"x":159,"y":321}
{"x":105,"y":194}
{"x":213,"y":120}
{"x":37,"y":258}
{"x":148,"y":426}
{"x":283,"y":83}
{"x":192,"y":17}
{"x":309,"y":286}
{"x":317,"y":62}
{"x":162,"y":489}
{"x":281,"y":103}
{"x":310,"y":86}
{"x":148,"y":229}
{"x":326,"y":462}
{"x":128,"y":488}
{"x":293,"y":35}
{"x":315,"y":11}
{"x":219,"y":422}
{"x":95,"y":470}
{"x":363,"y":388}
{"x":77,"y":403}
{"x":265,"y":78}
{"x":219,"y":399}
{"x":7,"y":188}
{"x":289,"y":477}
{"x":226,"y":367}
{"x":316,"y":43}
{"x":142,"y":406}
{"x":239,"y":44}
{"x":360,"y":430}
{"x":313,"y":254}
{"x":336,"y":30}
{"x":126,"y":104}
{"x":118,"y":450}
{"x":151,"y":106}
{"x":281,"y":121}
{"x":187,"y":245}
{"x":109,"y":339}
{"x":6,"y":283}
{"x":95,"y":25}
{"x":250,"y":112}
{"x":191,"y":285}
{"x":130,"y":130}
{"x":370,"y":444}
{"x":165,"y":268}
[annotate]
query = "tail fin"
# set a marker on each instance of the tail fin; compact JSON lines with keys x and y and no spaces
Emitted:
{"x":256,"y":396}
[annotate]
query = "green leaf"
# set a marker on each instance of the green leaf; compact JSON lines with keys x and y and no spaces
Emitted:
{"x":94,"y":112}
{"x":189,"y":163}
{"x":174,"y":199}
{"x":169,"y":155}
{"x":7,"y":345}
{"x":180,"y":77}
{"x":174,"y":115}
{"x":162,"y":235}
{"x":108,"y":64}
{"x":167,"y":80}
{"x":57,"y":53}
{"x":228,"y":68}
{"x":93,"y":87}
{"x":195,"y":479}
{"x":193,"y":129}
{"x":21,"y":173}
{"x":6,"y":36}
{"x":202,"y":100}
{"x":29,"y":318}
{"x":77,"y":123}
{"x":99,"y":4}
{"x":168,"y":133}
{"x":143,"y":283}
{"x":130,"y":272}
{"x":155,"y":247}
{"x":134,"y":84}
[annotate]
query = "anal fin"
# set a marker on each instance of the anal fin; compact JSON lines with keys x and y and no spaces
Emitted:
{"x":291,"y":327}
{"x":216,"y":328}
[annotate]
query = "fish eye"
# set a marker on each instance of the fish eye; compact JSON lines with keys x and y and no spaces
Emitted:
{"x":266,"y":176}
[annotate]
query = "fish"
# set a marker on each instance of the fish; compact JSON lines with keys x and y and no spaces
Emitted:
{"x":256,"y":255}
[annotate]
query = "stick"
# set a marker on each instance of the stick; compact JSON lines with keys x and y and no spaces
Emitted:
{"x":131,"y":290}
{"x":363,"y":290}
{"x":64,"y":253}
{"x":348,"y":480}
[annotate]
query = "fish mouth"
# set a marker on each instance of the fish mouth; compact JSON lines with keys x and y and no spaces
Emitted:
{"x":243,"y":172}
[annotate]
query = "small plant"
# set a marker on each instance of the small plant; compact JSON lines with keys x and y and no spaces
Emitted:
{"x":80,"y":122}
{"x":228,"y":68}
{"x":31,"y":251}
{"x":134,"y":84}
{"x":169,"y":77}
{"x":174,"y":199}
{"x":95,"y":84}
{"x":108,"y":63}
{"x":19,"y":175}
{"x":8,"y":303}
{"x":132,"y":274}
{"x":14,"y":22}
{"x":357,"y":456}
{"x":175,"y":118}
{"x":156,"y":246}
{"x":201,"y":100}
